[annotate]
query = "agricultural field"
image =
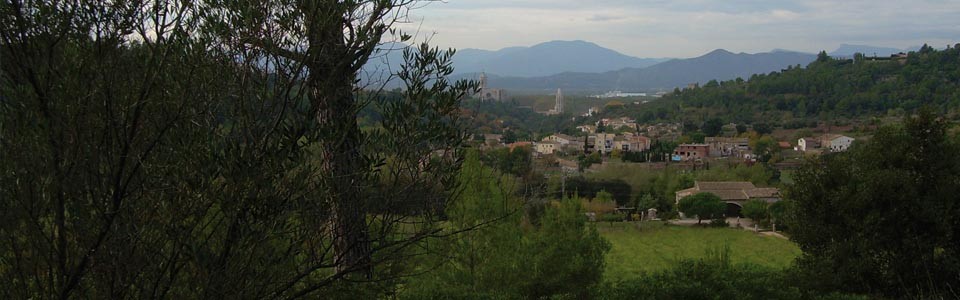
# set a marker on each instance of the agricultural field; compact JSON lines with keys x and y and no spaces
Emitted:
{"x":654,"y":246}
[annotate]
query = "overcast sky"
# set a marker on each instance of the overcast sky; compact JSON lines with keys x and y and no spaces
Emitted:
{"x":688,"y":28}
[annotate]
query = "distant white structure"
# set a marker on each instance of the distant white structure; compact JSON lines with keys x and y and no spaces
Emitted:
{"x":557,"y":105}
{"x":618,"y":94}
{"x":836,"y":142}
{"x":486,"y":93}
{"x":828,"y":142}
{"x":806,"y":144}
{"x":592,"y":111}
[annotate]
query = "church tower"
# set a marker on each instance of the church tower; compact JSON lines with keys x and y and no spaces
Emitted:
{"x":558,"y":106}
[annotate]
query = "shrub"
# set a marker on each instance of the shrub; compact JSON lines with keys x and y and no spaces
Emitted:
{"x":719,"y":223}
{"x":713,"y":277}
{"x":611,"y":217}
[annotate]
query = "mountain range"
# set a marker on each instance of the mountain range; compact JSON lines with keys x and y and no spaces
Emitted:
{"x":538,"y":60}
{"x":581,"y":65}
{"x":718,"y":64}
{"x":547,"y":59}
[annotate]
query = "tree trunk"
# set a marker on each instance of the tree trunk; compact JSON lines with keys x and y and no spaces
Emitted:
{"x":331,"y":79}
{"x":343,"y":173}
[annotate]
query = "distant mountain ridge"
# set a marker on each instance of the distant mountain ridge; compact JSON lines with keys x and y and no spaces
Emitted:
{"x":585,"y":66}
{"x":718,"y":64}
{"x":543,"y":59}
{"x":548,"y":59}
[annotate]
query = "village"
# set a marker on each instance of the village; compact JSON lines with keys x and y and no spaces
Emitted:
{"x":618,"y":141}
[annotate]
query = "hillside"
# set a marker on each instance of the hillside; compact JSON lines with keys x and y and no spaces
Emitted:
{"x":825,"y":89}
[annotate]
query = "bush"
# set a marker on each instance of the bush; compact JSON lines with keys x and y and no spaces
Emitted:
{"x":598,"y":207}
{"x":670,"y":215}
{"x":719,"y":223}
{"x":611,"y":218}
{"x":714,"y":277}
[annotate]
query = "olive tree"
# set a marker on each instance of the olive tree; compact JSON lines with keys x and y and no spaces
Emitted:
{"x":702,"y":205}
{"x":177,"y":149}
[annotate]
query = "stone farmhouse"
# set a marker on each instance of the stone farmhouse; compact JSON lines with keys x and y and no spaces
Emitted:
{"x":734,"y":193}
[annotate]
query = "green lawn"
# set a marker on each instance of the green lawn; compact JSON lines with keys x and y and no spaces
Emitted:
{"x":656,"y":246}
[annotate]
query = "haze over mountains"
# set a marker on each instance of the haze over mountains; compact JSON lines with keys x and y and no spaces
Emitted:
{"x":718,"y":64}
{"x":548,"y":59}
{"x":585,"y":66}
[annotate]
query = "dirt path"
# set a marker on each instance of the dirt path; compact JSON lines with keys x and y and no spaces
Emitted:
{"x":744,"y":223}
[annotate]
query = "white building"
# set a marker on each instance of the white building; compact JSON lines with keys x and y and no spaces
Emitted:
{"x":807,"y":144}
{"x":836,"y":142}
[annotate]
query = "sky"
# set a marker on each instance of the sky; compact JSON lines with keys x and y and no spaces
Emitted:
{"x":687,"y":28}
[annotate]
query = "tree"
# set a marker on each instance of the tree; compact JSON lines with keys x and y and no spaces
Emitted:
{"x":646,"y":201}
{"x":604,"y":197}
{"x":585,"y":161}
{"x":509,"y":137}
{"x":823,"y":57}
{"x":762,"y":128}
{"x":741,"y":128}
{"x":168,"y":149}
{"x":756,"y":210}
{"x":327,"y":43}
{"x":712,"y":127}
{"x":702,"y":205}
{"x":778,"y":211}
{"x":97,"y":120}
{"x":563,"y":255}
{"x":764,"y":148}
{"x":884,"y":213}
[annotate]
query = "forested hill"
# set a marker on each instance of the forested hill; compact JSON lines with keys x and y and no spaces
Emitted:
{"x":826,"y":88}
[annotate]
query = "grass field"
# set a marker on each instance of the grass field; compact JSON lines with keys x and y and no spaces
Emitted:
{"x":656,"y":247}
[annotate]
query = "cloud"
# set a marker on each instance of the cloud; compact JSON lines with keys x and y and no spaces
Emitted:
{"x":605,"y":18}
{"x":686,"y":28}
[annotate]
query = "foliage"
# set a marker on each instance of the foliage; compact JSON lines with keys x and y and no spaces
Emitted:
{"x":510,"y":258}
{"x":611,"y":217}
{"x":712,"y":127}
{"x":604,"y":197}
{"x":598,"y":207}
{"x":702,"y":205}
{"x":779,"y":211}
{"x":765,"y":148}
{"x":824,"y":90}
{"x":741,"y":128}
{"x":755,"y":209}
{"x":170,"y":149}
{"x":607,"y":189}
{"x":516,"y":161}
{"x":881,"y":218}
{"x":712,"y":277}
{"x":720,"y":223}
{"x":658,"y":152}
{"x":522,"y":123}
{"x":646,"y":201}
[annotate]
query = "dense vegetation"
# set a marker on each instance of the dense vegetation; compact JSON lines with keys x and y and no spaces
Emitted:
{"x":825,"y":90}
{"x":547,"y":252}
{"x":882,"y":218}
{"x":515,"y":122}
